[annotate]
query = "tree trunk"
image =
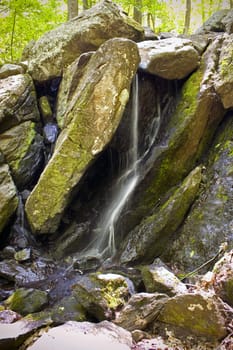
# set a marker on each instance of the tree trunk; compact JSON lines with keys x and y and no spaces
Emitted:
{"x":72,"y":9}
{"x":203,"y":11}
{"x":137,"y":15}
{"x":85,"y":4}
{"x":187,"y":17}
{"x":13,"y":34}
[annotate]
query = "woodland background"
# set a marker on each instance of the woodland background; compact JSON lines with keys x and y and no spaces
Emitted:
{"x":24,"y":20}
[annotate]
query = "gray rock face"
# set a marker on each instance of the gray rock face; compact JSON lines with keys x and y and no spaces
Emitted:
{"x":10,"y":69}
{"x":22,"y":149}
{"x":210,"y":222}
{"x":102,"y":92}
{"x":157,"y":278}
{"x":59,"y":47}
{"x":8,"y":196}
{"x":17,"y":101}
{"x":172,"y":58}
{"x":14,"y":334}
{"x":220,"y":21}
{"x":224,"y":77}
{"x":104,"y":335}
{"x":141,"y":310}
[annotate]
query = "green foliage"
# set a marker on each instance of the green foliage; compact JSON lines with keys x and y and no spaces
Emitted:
{"x":25,"y":20}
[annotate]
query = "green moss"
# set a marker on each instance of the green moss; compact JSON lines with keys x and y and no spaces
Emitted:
{"x":112,"y":291}
{"x":221,"y":194}
{"x":25,"y":301}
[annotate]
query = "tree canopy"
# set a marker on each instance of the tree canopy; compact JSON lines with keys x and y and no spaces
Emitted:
{"x":25,"y":20}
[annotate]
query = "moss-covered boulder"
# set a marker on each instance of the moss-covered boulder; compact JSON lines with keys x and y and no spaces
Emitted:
{"x":22,"y":149}
{"x":148,"y":240}
{"x":173,"y":58}
{"x":158,"y":278}
{"x":209,"y":223}
{"x":17,"y":101}
{"x":224,"y":77}
{"x":8,"y":196}
{"x":26,"y":301}
{"x":188,"y":133}
{"x":95,"y":113}
{"x":55,"y":50}
{"x":195,"y":313}
{"x":102,"y":294}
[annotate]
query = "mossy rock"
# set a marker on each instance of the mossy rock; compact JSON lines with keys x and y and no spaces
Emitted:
{"x":26,"y":301}
{"x":197,"y":313}
{"x":22,"y":148}
{"x":102,"y":294}
{"x":209,"y":222}
{"x":149,"y":239}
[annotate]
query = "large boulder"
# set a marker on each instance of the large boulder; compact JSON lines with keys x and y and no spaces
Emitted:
{"x":58,"y":48}
{"x":26,"y":301}
{"x":104,"y":335}
{"x":95,"y":113}
{"x":220,"y":21}
{"x":224,"y":77}
{"x":102,"y":294}
{"x":14,"y":334}
{"x":157,"y":278}
{"x":22,"y":149}
{"x":173,"y":58}
{"x":140,"y":311}
{"x":149,"y":239}
{"x":209,"y":223}
{"x":8,"y":196}
{"x":17,"y":101}
{"x":196,"y":313}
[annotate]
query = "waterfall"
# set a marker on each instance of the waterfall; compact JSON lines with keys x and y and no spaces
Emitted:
{"x":103,"y":244}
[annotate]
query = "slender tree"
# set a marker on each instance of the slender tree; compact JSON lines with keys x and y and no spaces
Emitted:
{"x":72,"y":8}
{"x":187,"y":17}
{"x":137,"y":14}
{"x":85,"y":4}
